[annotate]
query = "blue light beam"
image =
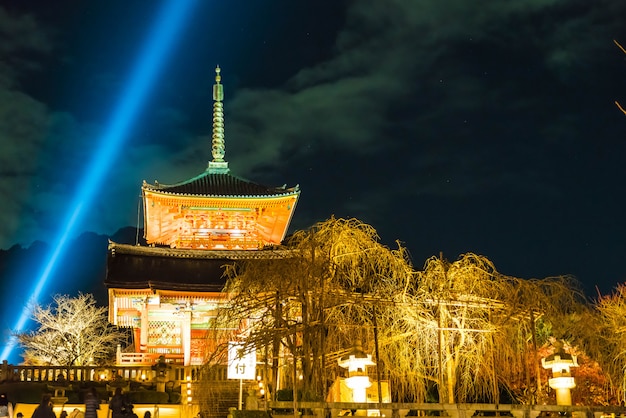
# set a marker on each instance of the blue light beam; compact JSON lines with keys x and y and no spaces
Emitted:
{"x":160,"y":40}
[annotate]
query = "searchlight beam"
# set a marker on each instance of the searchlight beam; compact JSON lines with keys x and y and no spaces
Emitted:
{"x":160,"y":40}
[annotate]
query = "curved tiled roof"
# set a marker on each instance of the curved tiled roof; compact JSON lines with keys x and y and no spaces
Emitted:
{"x":220,"y":184}
{"x":139,"y":267}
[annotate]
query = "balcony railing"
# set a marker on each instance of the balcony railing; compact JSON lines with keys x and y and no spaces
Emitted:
{"x":147,"y":359}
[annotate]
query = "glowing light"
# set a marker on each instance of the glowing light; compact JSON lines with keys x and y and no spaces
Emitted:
{"x":562,"y":381}
{"x":356,"y":361}
{"x":163,"y":34}
{"x":189,"y":397}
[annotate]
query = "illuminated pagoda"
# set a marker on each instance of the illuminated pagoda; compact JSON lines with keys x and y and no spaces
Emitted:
{"x":217,"y":210}
{"x":169,"y":291}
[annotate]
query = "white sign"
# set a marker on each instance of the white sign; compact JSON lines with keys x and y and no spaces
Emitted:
{"x":241,"y":365}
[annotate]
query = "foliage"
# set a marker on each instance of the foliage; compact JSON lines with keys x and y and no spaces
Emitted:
{"x":466,"y":327}
{"x":249,"y":414}
{"x":148,"y":397}
{"x":306,"y":305}
{"x":24,"y":392}
{"x":460,"y":327}
{"x":602,"y":334}
{"x":175,"y":397}
{"x":70,"y":332}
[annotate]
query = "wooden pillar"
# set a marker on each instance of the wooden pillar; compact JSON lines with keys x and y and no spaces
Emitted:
{"x":143,"y":341}
{"x":185,"y":329}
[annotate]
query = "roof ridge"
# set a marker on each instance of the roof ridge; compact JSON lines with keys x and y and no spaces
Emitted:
{"x":221,"y":184}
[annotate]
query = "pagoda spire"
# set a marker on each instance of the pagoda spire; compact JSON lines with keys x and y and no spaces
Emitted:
{"x":218,"y":165}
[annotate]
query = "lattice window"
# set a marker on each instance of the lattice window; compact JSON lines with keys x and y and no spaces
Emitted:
{"x":164,"y":333}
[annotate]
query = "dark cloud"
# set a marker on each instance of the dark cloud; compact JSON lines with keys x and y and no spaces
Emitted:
{"x":493,"y":121}
{"x":25,"y":124}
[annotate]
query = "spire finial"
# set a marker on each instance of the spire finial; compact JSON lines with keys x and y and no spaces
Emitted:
{"x":218,"y":89}
{"x":217,"y":143}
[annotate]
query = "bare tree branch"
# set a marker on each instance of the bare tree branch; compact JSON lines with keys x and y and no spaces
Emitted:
{"x":624,"y":51}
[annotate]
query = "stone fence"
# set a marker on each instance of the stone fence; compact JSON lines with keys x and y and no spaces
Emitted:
{"x":48,"y":374}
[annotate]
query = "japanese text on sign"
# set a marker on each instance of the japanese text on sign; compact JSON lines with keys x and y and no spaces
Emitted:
{"x":241,"y":364}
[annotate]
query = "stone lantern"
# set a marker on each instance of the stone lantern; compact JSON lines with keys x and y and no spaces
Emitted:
{"x":356,"y":361}
{"x":562,"y":381}
{"x":162,"y":369}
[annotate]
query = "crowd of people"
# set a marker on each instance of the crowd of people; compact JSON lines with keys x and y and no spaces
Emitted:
{"x":119,"y":406}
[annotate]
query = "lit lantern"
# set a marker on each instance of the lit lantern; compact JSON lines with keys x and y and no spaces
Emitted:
{"x":101,"y":374}
{"x":356,"y":361}
{"x":562,"y":381}
{"x":261,"y":386}
{"x":189,"y":398}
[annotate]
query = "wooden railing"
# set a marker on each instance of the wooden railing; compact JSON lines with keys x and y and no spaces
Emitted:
{"x":228,"y":242}
{"x":410,"y":410}
{"x":147,"y":359}
{"x":393,"y":410}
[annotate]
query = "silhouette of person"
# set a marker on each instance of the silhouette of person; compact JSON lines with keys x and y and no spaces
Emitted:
{"x":6,"y":407}
{"x":92,"y":404}
{"x":44,"y":409}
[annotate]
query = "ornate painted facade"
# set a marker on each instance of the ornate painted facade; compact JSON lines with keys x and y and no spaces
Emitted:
{"x":169,"y":290}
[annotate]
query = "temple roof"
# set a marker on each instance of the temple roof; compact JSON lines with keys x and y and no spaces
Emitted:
{"x":211,"y":184}
{"x":140,"y":267}
{"x":217,"y":181}
{"x":215,"y":209}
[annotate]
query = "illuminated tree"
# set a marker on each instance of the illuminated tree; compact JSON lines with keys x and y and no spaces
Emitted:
{"x":70,"y":332}
{"x":603,"y":337}
{"x":308,"y":307}
{"x":448,"y":333}
{"x":461,"y":328}
{"x":538,"y":314}
{"x":447,"y":327}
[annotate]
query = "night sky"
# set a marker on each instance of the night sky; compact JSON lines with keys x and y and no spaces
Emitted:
{"x":452,"y":126}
